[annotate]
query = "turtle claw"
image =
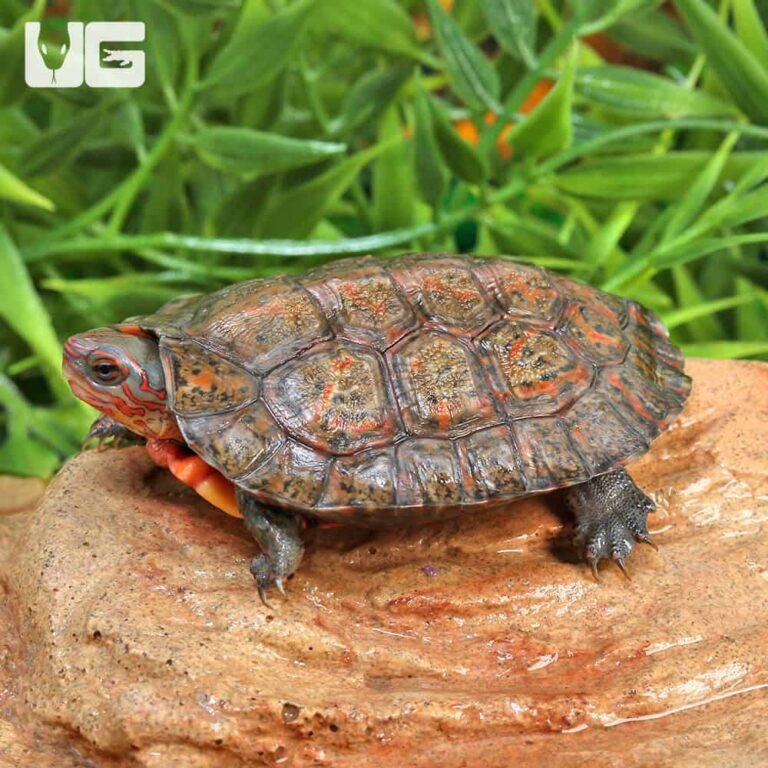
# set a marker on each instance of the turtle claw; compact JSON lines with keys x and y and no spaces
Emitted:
{"x":105,"y":432}
{"x":265,"y":577}
{"x":644,"y":538}
{"x":623,"y":568}
{"x":263,"y":595}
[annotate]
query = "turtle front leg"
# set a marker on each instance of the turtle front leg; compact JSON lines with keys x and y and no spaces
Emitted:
{"x":105,"y":430}
{"x":278,"y":533}
{"x":611,"y":515}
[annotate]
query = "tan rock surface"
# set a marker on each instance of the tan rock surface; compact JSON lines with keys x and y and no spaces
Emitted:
{"x":477,"y":642}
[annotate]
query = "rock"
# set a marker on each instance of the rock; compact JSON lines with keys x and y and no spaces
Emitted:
{"x":19,"y":494}
{"x":478,"y":642}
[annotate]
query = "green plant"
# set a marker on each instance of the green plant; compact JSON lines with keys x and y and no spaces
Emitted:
{"x":276,"y":134}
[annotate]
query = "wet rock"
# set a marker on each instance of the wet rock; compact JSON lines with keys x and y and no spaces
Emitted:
{"x":479,"y":642}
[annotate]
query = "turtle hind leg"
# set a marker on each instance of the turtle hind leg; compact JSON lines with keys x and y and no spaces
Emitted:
{"x":611,"y":515}
{"x":278,"y":533}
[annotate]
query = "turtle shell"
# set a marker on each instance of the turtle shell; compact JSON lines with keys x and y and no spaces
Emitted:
{"x":385,"y":392}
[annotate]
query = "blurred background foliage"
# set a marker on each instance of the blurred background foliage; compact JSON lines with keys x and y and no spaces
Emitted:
{"x":624,"y":142}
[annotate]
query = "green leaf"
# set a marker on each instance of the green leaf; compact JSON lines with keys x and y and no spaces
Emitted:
{"x":689,"y":295}
{"x":23,"y":310}
{"x":245,"y":152}
{"x":648,"y":176}
{"x":752,"y":314}
{"x":749,"y":27}
{"x":379,"y":24}
{"x":683,"y":213}
{"x":738,"y":210}
{"x":296,"y":211}
{"x":163,"y":42}
{"x":685,"y":315}
{"x":159,"y":286}
{"x":21,"y":451}
{"x":55,"y":148}
{"x":602,"y":13}
{"x":653,"y":33}
{"x":286,"y":249}
{"x":670,"y":255}
{"x":14,"y":189}
{"x":726,"y":349}
{"x":548,"y":128}
{"x":641,"y":93}
{"x":12,"y":84}
{"x":392,"y":176}
{"x":460,"y":156}
{"x":370,"y":96}
{"x":429,"y":169}
{"x":513,"y":24}
{"x":526,"y":235}
{"x":258,"y":50}
{"x":740,"y":73}
{"x":471,"y":74}
{"x":199,"y":7}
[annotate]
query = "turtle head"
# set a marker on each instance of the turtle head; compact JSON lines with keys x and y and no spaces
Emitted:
{"x":118,"y":371}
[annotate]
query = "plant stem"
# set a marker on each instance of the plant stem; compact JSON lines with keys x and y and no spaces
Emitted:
{"x":309,"y":81}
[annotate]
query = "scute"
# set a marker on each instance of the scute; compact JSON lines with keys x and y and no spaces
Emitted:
{"x":363,"y":303}
{"x":260,"y":324}
{"x":601,"y":434}
{"x":534,"y":371}
{"x":335,"y":397}
{"x":440,"y":386}
{"x":429,"y":474}
{"x":445,"y":291}
{"x":548,"y":457}
{"x":367,"y":479}
{"x":202,"y":381}
{"x":293,"y":476}
{"x":524,"y":291}
{"x":494,"y":464}
{"x":233,"y":442}
{"x":596,"y":333}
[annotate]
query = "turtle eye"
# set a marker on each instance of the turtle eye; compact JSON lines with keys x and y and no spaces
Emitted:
{"x":106,"y":371}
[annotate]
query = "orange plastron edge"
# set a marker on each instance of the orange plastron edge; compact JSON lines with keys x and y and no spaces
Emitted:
{"x":191,"y":470}
{"x":202,"y":478}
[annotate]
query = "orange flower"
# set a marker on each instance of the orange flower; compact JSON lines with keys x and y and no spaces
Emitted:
{"x":468,"y":130}
{"x":538,"y":92}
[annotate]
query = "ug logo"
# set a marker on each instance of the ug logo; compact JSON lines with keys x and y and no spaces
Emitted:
{"x":80,"y":59}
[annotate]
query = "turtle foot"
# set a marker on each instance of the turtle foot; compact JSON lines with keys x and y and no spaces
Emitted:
{"x":278,"y":533}
{"x":611,"y":515}
{"x":105,"y":432}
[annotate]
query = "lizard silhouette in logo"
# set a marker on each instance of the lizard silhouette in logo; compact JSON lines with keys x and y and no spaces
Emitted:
{"x":118,"y":57}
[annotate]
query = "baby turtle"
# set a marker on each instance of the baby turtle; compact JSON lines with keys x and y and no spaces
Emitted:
{"x":394,"y":392}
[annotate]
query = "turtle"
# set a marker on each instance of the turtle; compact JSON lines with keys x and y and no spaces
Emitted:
{"x":383,"y":392}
